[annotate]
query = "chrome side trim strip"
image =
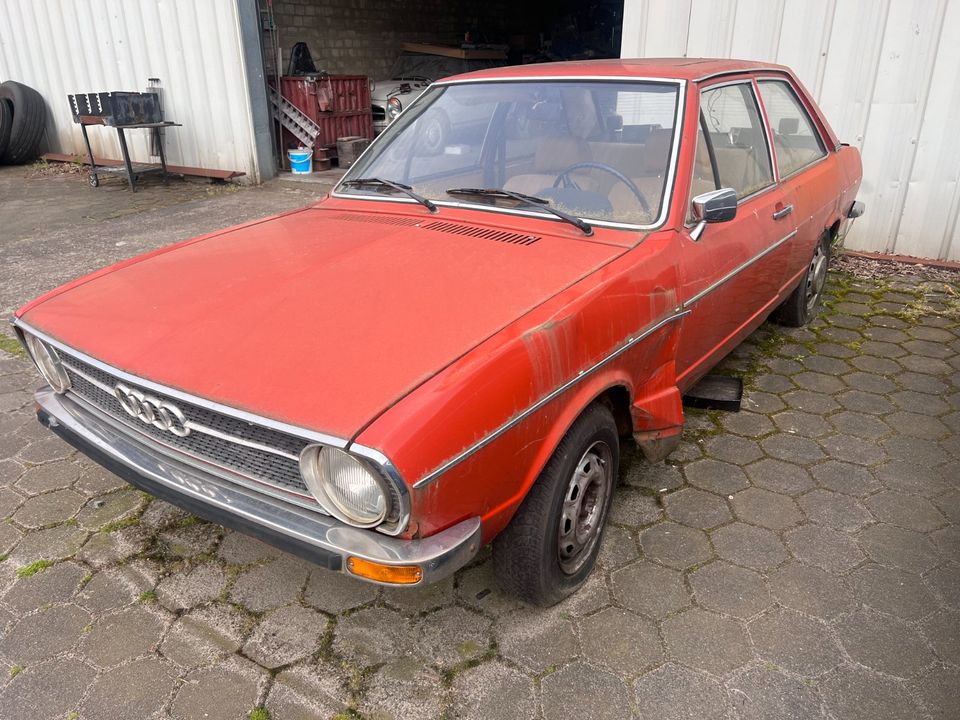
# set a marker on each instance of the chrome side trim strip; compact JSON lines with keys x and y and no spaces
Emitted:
{"x":243,"y":415}
{"x":516,"y":419}
{"x":740,"y":268}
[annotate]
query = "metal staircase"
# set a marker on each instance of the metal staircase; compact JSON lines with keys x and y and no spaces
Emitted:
{"x":288,"y":115}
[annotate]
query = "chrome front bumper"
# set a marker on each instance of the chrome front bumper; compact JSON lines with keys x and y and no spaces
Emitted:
{"x":319,"y":538}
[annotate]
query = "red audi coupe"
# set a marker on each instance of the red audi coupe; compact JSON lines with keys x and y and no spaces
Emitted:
{"x":448,"y":350}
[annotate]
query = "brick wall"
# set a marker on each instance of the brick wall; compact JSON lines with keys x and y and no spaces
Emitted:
{"x":364,"y":36}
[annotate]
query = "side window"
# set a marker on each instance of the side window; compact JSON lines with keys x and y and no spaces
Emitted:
{"x":795,"y":140}
{"x":702,"y":180}
{"x":739,"y":141}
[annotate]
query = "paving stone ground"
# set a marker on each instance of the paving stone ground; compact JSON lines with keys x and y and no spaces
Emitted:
{"x":799,"y":559}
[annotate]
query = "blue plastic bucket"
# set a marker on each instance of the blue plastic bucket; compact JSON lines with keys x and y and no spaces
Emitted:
{"x":301,"y":161}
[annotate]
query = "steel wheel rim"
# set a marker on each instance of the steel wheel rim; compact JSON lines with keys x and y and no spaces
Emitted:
{"x":816,"y":277}
{"x":584,"y":507}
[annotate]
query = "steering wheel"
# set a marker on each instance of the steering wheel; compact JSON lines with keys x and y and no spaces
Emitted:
{"x":565,"y":179}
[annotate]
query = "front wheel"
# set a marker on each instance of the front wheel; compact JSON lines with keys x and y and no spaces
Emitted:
{"x":802,"y":305}
{"x":551,"y":545}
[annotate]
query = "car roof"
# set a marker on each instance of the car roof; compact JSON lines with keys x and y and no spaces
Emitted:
{"x":668,"y":68}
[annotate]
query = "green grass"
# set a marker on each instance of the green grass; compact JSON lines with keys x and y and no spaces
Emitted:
{"x":147,"y":596}
{"x":130,"y":521}
{"x":8,"y":344}
{"x":259,"y":713}
{"x":16,"y":670}
{"x":33,"y":568}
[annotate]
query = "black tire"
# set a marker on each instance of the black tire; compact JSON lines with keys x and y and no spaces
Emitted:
{"x":29,"y":120}
{"x":531,"y":559}
{"x":804,"y":302}
{"x":6,"y":123}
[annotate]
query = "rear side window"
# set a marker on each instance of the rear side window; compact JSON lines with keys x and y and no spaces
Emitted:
{"x":795,"y":139}
{"x":738,"y":138}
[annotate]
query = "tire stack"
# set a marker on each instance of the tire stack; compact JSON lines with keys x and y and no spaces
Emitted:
{"x":22,"y":121}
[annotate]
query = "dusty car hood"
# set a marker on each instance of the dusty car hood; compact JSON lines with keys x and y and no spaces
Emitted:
{"x":320,"y":318}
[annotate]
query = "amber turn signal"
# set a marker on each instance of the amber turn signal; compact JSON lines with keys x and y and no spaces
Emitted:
{"x":393,"y":574}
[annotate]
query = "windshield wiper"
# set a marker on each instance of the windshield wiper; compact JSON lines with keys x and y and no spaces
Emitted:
{"x":406,"y":189}
{"x":542,"y":203}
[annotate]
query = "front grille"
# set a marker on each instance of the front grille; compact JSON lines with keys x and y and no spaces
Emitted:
{"x":254,"y":463}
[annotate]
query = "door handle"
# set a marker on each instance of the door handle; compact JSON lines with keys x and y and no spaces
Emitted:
{"x":783,"y":212}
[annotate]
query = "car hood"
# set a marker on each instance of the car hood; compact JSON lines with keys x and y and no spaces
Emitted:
{"x":383,"y":90}
{"x":321,"y":318}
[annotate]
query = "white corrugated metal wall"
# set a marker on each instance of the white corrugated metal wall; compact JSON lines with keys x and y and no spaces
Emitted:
{"x":885,"y":72}
{"x":61,"y":47}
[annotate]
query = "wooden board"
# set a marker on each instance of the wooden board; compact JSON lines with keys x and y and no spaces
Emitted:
{"x":455,"y":52}
{"x":172,"y":169}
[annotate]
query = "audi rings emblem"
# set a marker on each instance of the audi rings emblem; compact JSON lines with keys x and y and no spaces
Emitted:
{"x":149,"y":409}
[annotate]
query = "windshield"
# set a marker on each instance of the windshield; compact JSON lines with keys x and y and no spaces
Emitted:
{"x":597,"y":150}
{"x":411,"y":66}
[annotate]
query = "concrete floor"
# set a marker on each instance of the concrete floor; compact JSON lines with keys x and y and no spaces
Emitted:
{"x":799,"y":559}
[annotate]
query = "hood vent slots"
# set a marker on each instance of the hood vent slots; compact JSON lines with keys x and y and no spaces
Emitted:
{"x":377,"y":219}
{"x":479,"y":232}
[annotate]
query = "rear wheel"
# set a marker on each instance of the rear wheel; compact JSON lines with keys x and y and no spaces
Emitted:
{"x":551,"y":545}
{"x":804,"y":302}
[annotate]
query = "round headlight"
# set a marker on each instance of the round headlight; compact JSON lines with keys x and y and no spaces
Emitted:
{"x":48,"y":360}
{"x":344,"y":486}
{"x":394,"y":106}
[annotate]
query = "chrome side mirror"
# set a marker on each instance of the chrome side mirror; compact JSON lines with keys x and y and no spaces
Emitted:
{"x":713,"y":207}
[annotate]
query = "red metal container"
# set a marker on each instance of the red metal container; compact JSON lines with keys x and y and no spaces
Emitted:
{"x":339,"y":104}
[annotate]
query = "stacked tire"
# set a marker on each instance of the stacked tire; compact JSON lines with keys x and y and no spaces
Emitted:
{"x":22,"y":121}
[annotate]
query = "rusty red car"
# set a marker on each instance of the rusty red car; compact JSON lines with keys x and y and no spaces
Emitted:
{"x":449,"y":350}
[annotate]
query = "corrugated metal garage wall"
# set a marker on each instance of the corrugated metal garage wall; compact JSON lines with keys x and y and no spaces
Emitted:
{"x":66,"y":46}
{"x":886,"y":73}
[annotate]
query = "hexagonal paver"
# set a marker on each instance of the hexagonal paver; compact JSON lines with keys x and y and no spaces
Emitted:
{"x":892,"y":591}
{"x":792,"y":448}
{"x":219,"y":693}
{"x":779,"y":476}
{"x":854,"y":693}
{"x":289,"y":634}
{"x":730,"y":589}
{"x":939,"y":688}
{"x":865,"y":402}
{"x":697,"y":508}
{"x":452,"y":635}
{"x":43,"y":634}
{"x":49,"y":509}
{"x":810,"y":402}
{"x":650,"y":589}
{"x":824,"y":547}
{"x":479,"y":588}
{"x":732,"y":449}
{"x":205,"y":635}
{"x":884,"y":643}
{"x":906,"y":511}
{"x":52,"y":476}
{"x":52,"y":585}
{"x":916,"y":451}
{"x":631,"y":507}
{"x":746,"y":423}
{"x":48,"y":690}
{"x":335,"y":592}
{"x":537,"y":639}
{"x":706,"y":641}
{"x":404,"y":687}
{"x":845,"y":478}
{"x":797,"y":422}
{"x":908,"y":477}
{"x":136,"y":690}
{"x":834,"y":509}
{"x":269,"y":586}
{"x":674,"y":692}
{"x":581,"y":690}
{"x":121,"y":636}
{"x":790,"y":640}
{"x":811,"y":591}
{"x":942,"y":631}
{"x":766,"y":509}
{"x":493,"y":691}
{"x":675,"y":545}
{"x":749,"y":546}
{"x":764,"y":693}
{"x":852,"y":449}
{"x":620,"y":641}
{"x":916,"y":425}
{"x":715,"y":476}
{"x":893,"y":546}
{"x":195,"y":586}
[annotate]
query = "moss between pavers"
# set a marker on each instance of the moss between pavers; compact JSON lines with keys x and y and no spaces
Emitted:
{"x":33,"y":568}
{"x":9,"y":345}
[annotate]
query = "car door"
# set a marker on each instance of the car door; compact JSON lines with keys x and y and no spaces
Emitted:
{"x":732,"y":272}
{"x":798,"y":150}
